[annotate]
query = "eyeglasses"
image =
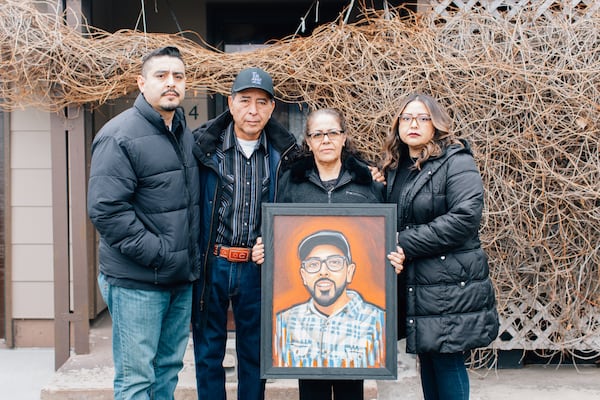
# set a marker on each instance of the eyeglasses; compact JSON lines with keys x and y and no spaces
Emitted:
{"x":408,"y":119}
{"x":318,"y":136}
{"x":334,"y":263}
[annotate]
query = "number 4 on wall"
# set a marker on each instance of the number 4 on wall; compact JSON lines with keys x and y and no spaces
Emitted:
{"x":194,"y":112}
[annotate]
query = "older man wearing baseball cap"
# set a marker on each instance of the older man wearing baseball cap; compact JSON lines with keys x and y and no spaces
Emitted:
{"x":240,"y":154}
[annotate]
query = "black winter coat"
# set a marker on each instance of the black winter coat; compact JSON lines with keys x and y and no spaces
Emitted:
{"x":301,"y":184}
{"x":143,"y":198}
{"x":450,"y":301}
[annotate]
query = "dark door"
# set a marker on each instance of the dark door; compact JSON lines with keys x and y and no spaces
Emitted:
{"x":3,"y":282}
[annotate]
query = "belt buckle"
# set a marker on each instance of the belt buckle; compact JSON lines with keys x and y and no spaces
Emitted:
{"x":232,"y":254}
{"x":238,"y":254}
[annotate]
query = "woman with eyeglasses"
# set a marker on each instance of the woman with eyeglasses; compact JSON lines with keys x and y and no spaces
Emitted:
{"x":446,"y":299}
{"x":330,"y":171}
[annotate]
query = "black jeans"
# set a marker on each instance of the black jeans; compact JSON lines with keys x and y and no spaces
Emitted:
{"x":317,"y":389}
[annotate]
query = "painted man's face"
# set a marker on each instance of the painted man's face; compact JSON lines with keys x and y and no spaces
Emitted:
{"x":328,"y":283}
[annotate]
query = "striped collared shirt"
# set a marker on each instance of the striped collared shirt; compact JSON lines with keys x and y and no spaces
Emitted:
{"x":352,"y":337}
{"x":245,"y":186}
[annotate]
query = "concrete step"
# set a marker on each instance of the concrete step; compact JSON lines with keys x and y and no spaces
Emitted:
{"x":90,"y":376}
{"x":76,"y":380}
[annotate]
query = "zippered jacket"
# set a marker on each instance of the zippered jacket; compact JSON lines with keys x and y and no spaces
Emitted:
{"x":282,"y":148}
{"x":143,"y":198}
{"x":301,"y":184}
{"x":450,"y":300}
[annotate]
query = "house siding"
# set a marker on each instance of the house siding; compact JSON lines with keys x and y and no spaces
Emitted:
{"x":31,"y":217}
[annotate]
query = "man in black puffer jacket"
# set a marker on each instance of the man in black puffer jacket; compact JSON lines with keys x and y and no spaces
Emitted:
{"x":143,"y":198}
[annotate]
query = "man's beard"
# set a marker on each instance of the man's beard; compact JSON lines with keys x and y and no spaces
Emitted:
{"x":326,"y":298}
{"x":169,"y":107}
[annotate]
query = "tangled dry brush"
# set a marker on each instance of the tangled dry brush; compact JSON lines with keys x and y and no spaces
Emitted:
{"x":525,"y":92}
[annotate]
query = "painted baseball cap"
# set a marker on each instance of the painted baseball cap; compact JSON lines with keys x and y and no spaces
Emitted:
{"x":253,"y":78}
{"x":318,"y":238}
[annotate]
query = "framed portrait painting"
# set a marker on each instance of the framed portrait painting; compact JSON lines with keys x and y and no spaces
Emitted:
{"x":328,"y":291}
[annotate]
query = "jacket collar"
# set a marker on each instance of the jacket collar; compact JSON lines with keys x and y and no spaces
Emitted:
{"x":155,"y":118}
{"x":208,"y":136}
{"x":431,"y":165}
{"x":229,"y":139}
{"x":301,"y":169}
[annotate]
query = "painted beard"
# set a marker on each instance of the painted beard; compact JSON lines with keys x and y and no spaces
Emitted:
{"x":326,"y":297}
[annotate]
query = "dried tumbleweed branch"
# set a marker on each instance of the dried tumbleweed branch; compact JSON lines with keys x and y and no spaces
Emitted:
{"x":524,"y":91}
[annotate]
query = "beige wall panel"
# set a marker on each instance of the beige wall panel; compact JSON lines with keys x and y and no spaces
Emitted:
{"x":31,"y":225}
{"x":33,"y":300}
{"x":195,"y":108}
{"x":31,"y":187}
{"x":30,"y":119}
{"x":34,"y":333}
{"x":30,"y":149}
{"x":32,"y":262}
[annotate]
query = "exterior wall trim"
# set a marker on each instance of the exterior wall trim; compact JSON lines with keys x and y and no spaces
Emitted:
{"x":8,"y":305}
{"x":68,"y":156}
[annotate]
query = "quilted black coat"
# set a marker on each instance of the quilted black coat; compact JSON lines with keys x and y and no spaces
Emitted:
{"x":301,"y":184}
{"x":143,"y":198}
{"x":449,"y":298}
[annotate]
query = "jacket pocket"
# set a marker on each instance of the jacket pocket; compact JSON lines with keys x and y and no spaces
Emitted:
{"x":356,"y":196}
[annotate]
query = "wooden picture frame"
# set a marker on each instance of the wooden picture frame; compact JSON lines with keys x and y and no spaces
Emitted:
{"x":354,"y":239}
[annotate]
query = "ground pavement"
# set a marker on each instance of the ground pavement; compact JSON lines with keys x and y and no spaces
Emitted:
{"x":28,"y":374}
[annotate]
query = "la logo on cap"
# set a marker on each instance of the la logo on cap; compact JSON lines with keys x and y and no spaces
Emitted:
{"x":256,"y":78}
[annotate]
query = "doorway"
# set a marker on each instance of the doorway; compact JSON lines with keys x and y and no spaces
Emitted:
{"x":3,"y":282}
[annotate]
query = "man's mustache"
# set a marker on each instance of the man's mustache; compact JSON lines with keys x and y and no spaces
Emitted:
{"x":176,"y":93}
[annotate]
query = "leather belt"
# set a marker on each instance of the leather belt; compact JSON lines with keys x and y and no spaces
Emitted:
{"x":233,"y":254}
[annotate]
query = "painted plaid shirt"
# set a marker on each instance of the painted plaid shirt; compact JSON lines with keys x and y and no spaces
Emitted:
{"x":352,"y":337}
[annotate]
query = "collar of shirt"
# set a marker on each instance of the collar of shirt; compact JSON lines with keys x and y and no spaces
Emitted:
{"x":230,"y":140}
{"x":351,"y":308}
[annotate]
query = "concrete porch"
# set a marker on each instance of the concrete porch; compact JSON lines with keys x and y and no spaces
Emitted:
{"x":90,"y":376}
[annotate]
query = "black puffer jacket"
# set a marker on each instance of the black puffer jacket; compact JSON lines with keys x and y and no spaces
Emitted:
{"x":450,"y":301}
{"x":143,"y":198}
{"x":301,"y":184}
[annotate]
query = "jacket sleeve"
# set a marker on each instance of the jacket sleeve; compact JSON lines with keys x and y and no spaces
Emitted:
{"x":459,"y":223}
{"x":379,"y":191}
{"x":282,"y":195}
{"x":111,"y":190}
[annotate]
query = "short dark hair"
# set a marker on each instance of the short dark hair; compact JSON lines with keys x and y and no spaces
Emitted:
{"x":169,"y":51}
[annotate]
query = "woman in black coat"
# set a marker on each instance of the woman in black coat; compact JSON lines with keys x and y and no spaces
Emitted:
{"x":330,"y":171}
{"x":447,"y":304}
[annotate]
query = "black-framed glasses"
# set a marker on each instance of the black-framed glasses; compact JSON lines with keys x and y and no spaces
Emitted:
{"x":318,"y":136}
{"x":334,"y":263}
{"x":406,"y":119}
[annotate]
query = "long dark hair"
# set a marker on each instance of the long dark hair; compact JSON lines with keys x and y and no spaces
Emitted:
{"x":396,"y":150}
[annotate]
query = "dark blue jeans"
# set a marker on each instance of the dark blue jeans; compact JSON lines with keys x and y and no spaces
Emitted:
{"x":238,"y":283}
{"x":444,"y":376}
